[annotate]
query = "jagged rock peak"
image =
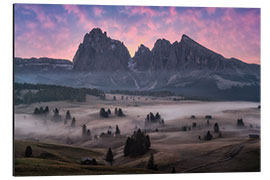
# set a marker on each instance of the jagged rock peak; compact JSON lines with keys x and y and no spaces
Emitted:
{"x":142,"y":49}
{"x":100,"y":53}
{"x":162,"y":42}
{"x":187,"y":40}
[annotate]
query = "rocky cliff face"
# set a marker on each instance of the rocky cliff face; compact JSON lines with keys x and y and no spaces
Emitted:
{"x":99,"y":53}
{"x":143,"y":58}
{"x":188,"y":55}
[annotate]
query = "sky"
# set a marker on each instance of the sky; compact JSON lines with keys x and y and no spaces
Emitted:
{"x":56,"y":31}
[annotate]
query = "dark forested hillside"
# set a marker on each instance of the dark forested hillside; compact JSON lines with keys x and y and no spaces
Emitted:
{"x":31,"y":93}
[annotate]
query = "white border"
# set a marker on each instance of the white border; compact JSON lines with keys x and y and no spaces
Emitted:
{"x":6,"y":83}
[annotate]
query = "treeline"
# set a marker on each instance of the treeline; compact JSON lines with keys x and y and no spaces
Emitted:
{"x":45,"y":93}
{"x":144,"y":93}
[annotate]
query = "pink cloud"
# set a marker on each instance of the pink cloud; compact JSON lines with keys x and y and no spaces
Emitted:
{"x":88,"y":24}
{"x":44,"y":19}
{"x":139,"y":10}
{"x":98,"y":11}
{"x":210,"y":10}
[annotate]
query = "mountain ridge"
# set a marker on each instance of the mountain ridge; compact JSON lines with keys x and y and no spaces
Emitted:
{"x":183,"y":67}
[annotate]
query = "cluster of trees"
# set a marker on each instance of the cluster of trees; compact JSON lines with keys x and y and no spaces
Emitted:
{"x":45,"y":93}
{"x":186,"y":128}
{"x":240,"y":122}
{"x":144,"y":93}
{"x":105,"y":114}
{"x":109,"y":132}
{"x":41,"y":110}
{"x":151,"y":118}
{"x":208,"y":117}
{"x":118,"y":112}
{"x":137,"y":144}
{"x":56,"y":116}
{"x":86,"y":133}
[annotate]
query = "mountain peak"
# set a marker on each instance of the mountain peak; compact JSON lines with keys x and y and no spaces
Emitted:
{"x":186,"y":38}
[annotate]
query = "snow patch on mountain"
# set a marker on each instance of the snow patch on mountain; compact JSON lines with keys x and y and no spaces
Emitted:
{"x":228,"y":84}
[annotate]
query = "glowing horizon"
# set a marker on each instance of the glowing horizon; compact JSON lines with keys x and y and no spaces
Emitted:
{"x":56,"y":31}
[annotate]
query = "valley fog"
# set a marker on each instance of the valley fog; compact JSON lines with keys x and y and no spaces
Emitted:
{"x":175,"y":114}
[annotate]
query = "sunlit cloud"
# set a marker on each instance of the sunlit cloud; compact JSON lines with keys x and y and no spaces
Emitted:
{"x":57,"y":30}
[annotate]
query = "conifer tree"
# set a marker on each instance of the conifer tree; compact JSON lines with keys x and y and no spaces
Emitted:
{"x":120,"y":112}
{"x":117,"y":130}
{"x":216,"y":128}
{"x":83,"y":130}
{"x":73,"y":122}
{"x":116,"y":111}
{"x":28,"y":151}
{"x":68,"y":116}
{"x":46,"y":111}
{"x":151,"y":163}
{"x":109,"y":156}
{"x":173,"y":170}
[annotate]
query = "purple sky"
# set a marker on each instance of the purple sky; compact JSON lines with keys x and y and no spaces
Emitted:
{"x":56,"y":30}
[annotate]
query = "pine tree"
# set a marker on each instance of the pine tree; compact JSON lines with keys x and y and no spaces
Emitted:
{"x":36,"y":111}
{"x":216,"y":128}
{"x":28,"y":151}
{"x":151,"y":163}
{"x":120,"y":112}
{"x":88,"y":134}
{"x":109,"y":156}
{"x":46,"y":110}
{"x":208,"y":136}
{"x":127,"y":147}
{"x":117,"y":131}
{"x":83,"y":130}
{"x":109,"y":112}
{"x":73,"y":122}
{"x":68,"y":116}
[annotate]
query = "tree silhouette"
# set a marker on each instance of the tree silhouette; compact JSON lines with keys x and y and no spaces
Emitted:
{"x":120,"y":112}
{"x":83,"y":130}
{"x":103,"y":113}
{"x":109,"y":156}
{"x":46,"y":110}
{"x":208,"y":136}
{"x":173,"y":170}
{"x":109,"y":112}
{"x":88,"y":134}
{"x":240,"y":122}
{"x":73,"y":122}
{"x":216,"y":128}
{"x":137,"y":144}
{"x":28,"y":151}
{"x":151,"y":163}
{"x":68,"y":116}
{"x":117,"y":130}
{"x":36,"y":111}
{"x":116,"y":111}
